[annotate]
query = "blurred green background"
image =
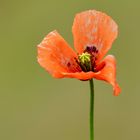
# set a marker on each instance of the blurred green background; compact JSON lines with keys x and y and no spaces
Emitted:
{"x":34,"y":106}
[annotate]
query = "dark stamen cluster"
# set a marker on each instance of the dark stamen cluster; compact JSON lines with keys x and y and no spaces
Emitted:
{"x":91,"y":49}
{"x":87,"y":59}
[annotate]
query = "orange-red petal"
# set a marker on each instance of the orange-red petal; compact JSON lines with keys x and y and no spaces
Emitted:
{"x":107,"y":73}
{"x":55,"y":55}
{"x":94,"y":28}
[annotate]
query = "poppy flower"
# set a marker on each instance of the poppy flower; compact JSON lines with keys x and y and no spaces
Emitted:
{"x":94,"y":33}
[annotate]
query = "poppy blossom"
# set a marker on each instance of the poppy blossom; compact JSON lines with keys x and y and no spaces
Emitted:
{"x":94,"y":33}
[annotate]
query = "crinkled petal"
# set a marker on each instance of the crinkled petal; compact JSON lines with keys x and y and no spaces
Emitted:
{"x":94,"y":28}
{"x":55,"y":55}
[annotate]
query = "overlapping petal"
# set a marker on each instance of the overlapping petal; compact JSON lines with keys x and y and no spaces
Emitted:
{"x":55,"y":55}
{"x":94,"y":28}
{"x":107,"y":73}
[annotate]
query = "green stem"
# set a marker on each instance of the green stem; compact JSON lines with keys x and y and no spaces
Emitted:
{"x":91,"y":109}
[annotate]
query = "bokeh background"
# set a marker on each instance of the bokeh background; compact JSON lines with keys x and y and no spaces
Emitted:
{"x":34,"y":106}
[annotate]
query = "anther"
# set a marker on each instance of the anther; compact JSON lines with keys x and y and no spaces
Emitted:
{"x":91,"y":49}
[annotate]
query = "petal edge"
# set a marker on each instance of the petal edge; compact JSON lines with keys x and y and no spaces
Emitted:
{"x":108,"y":73}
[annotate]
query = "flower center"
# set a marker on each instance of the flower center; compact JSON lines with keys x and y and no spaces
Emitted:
{"x":85,"y":61}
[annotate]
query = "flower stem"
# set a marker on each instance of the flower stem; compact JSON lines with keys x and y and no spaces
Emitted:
{"x":91,"y":109}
